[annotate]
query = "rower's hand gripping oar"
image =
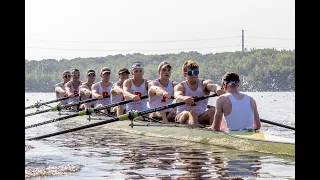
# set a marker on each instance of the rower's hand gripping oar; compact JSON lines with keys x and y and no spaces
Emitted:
{"x":130,"y":115}
{"x":59,"y":107}
{"x":37,"y":105}
{"x":84,"y":112}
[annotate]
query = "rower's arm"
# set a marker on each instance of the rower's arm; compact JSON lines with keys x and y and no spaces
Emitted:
{"x":116,"y":89}
{"x":155,"y":89}
{"x":127,"y":93}
{"x":256,"y":122}
{"x":179,"y":93}
{"x":59,"y":88}
{"x":95,"y":91}
{"x":67,"y":86}
{"x":210,"y":86}
{"x":218,"y":114}
{"x":84,"y":89}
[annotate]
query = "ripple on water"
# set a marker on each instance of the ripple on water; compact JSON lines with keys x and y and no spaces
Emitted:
{"x":54,"y":170}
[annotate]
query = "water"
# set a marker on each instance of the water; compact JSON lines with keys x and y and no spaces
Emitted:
{"x":104,"y":154}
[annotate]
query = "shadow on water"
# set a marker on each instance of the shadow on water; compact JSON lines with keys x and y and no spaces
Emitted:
{"x":97,"y":153}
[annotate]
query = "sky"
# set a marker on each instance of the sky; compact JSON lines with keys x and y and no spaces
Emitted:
{"x":67,"y":29}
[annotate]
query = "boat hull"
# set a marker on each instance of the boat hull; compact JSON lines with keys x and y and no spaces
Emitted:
{"x":245,"y":141}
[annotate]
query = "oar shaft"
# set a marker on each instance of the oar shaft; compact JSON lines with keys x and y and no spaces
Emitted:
{"x":38,"y":112}
{"x":277,"y":124}
{"x":51,"y":121}
{"x":48,"y":102}
{"x":82,"y":102}
{"x":75,"y":129}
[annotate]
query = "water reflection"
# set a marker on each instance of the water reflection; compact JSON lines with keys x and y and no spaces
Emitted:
{"x":113,"y":154}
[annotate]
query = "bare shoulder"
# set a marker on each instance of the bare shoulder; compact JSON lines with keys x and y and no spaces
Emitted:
{"x":95,"y":85}
{"x":207,"y":81}
{"x":127,"y":83}
{"x":179,"y":87}
{"x":174,"y":83}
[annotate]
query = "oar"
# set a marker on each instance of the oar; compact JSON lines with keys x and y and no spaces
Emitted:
{"x":48,"y":102}
{"x":131,"y":115}
{"x":59,"y":107}
{"x":84,"y":112}
{"x":266,"y":121}
{"x":277,"y":124}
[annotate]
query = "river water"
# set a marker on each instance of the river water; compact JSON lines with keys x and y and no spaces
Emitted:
{"x":105,"y":154}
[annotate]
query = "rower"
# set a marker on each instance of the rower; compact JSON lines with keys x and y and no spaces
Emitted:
{"x":60,"y":89}
{"x":135,"y":87}
{"x":103,"y":88}
{"x":160,"y":93}
{"x":85,"y":89}
{"x":194,"y":112}
{"x":72,"y":87}
{"x":239,"y":110}
{"x":117,"y":92}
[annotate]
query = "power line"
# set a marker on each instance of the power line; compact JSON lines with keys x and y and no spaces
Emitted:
{"x":129,"y":49}
{"x":126,"y":42}
{"x":270,"y":38}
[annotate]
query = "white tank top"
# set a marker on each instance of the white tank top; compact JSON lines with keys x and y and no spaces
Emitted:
{"x":92,"y":103}
{"x":118,"y":98}
{"x":75,"y":92}
{"x":104,"y":92}
{"x":241,"y":116}
{"x":141,"y":91}
{"x":157,"y":101}
{"x":59,"y":95}
{"x":200,"y":106}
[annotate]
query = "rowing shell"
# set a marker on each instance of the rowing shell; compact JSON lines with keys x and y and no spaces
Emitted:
{"x":240,"y":140}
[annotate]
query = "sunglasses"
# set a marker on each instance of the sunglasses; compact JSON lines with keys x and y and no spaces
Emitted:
{"x":66,"y":76}
{"x":231,"y":83}
{"x":91,"y":74}
{"x":193,"y":72}
{"x":76,"y":75}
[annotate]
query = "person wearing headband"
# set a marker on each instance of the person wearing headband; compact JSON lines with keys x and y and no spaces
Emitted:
{"x":103,"y":88}
{"x":73,"y":88}
{"x":135,"y":87}
{"x":117,"y":92}
{"x":60,"y":89}
{"x":85,"y":89}
{"x":239,"y":110}
{"x":160,"y":93}
{"x":194,"y":112}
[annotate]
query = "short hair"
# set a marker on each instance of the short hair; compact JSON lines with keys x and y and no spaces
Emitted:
{"x":189,"y":64}
{"x":65,"y":72}
{"x":74,"y":70}
{"x":230,"y":76}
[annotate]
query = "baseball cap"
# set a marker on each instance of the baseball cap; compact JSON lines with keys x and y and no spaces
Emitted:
{"x":123,"y":70}
{"x":104,"y":70}
{"x":89,"y":71}
{"x":137,"y":65}
{"x":163,"y":64}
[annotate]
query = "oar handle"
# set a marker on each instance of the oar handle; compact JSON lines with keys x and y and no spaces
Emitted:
{"x":134,"y":114}
{"x":81,"y":102}
{"x":92,"y":110}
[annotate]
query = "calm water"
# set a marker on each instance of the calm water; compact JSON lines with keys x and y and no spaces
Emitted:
{"x":97,"y":154}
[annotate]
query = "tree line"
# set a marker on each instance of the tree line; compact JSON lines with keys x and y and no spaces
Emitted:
{"x":259,"y":69}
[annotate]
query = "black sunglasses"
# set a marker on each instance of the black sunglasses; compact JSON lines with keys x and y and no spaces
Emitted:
{"x":91,"y":74}
{"x":66,"y":76}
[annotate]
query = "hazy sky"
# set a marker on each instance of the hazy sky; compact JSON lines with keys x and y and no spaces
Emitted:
{"x":93,"y":28}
